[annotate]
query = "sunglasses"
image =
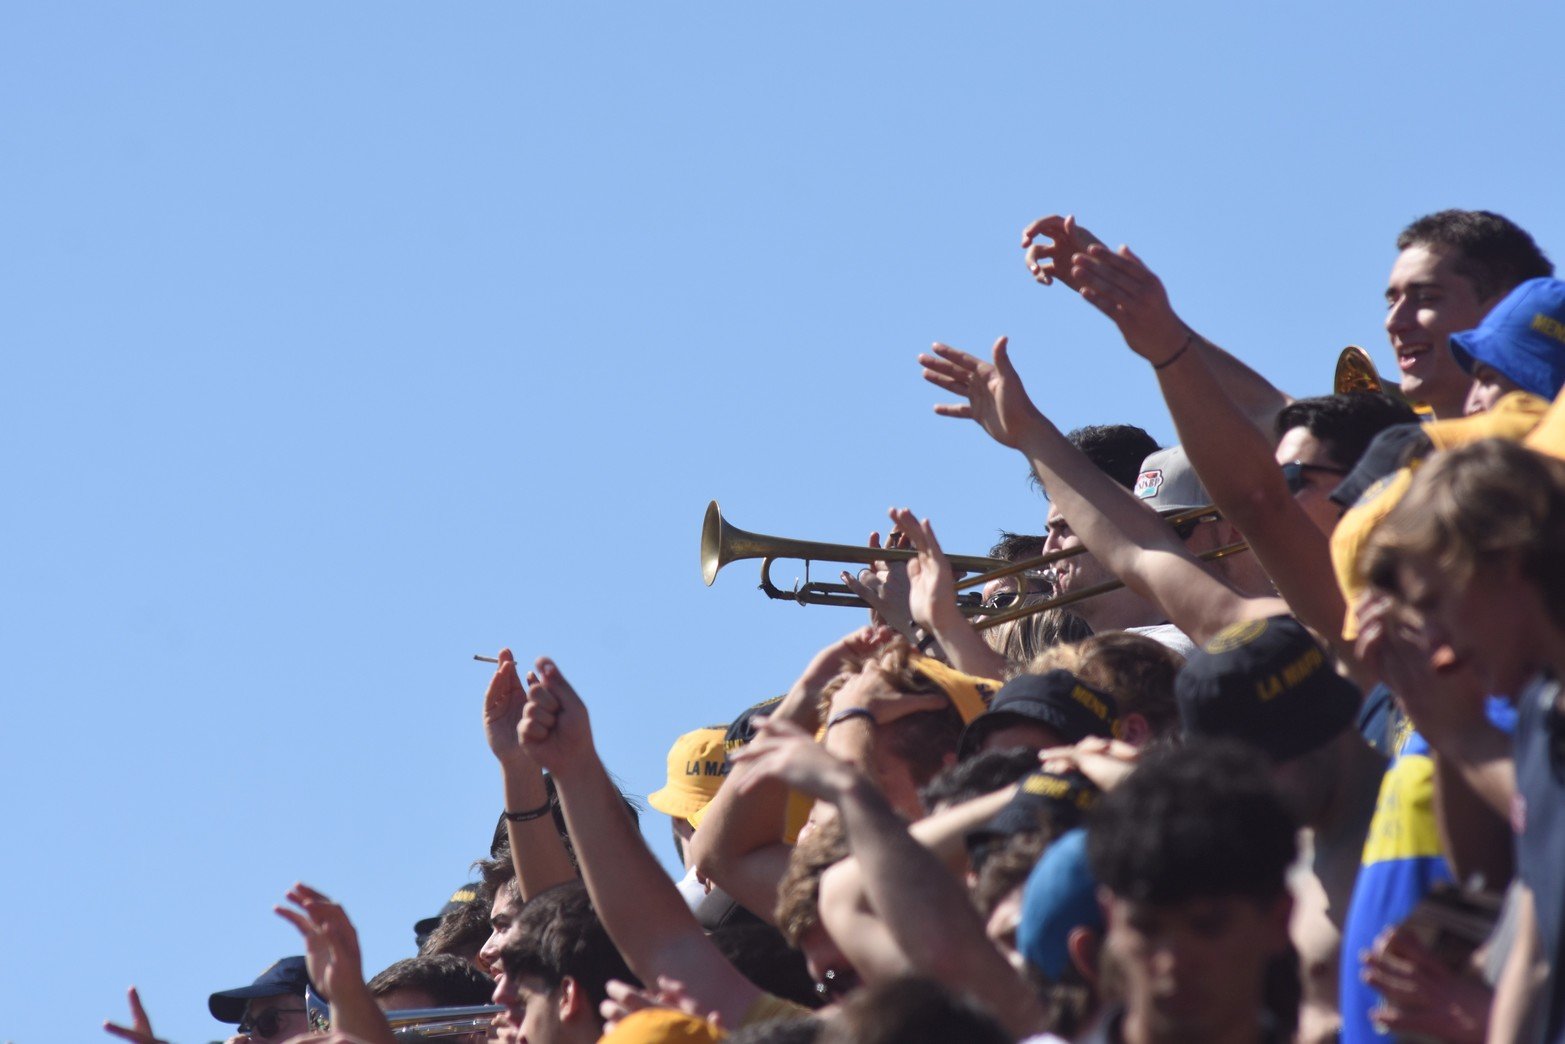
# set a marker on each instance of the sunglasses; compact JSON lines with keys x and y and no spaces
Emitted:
{"x":1296,"y":473}
{"x":266,"y":1024}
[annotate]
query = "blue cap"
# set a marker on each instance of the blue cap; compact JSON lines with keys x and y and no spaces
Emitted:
{"x":1060,"y":896}
{"x":1522,"y":337}
{"x":285,"y":978}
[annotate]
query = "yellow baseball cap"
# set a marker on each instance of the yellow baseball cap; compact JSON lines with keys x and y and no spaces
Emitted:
{"x":969,"y":694}
{"x":1512,"y":417}
{"x":1549,"y":436}
{"x":1353,"y":531}
{"x":661,"y":1026}
{"x":697,"y":765}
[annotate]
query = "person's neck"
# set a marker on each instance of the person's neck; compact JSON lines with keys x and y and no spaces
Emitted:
{"x":1448,"y":409}
{"x":1135,"y":1030}
{"x":1347,"y":812}
{"x":1116,"y":611}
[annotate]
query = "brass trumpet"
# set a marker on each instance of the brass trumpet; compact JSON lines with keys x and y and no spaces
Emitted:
{"x":722,"y":543}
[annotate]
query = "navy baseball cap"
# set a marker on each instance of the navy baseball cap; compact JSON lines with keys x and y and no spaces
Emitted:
{"x":1059,"y":700}
{"x":1267,"y":683}
{"x":1523,"y":337}
{"x":285,"y":978}
{"x":459,"y":898}
{"x":1043,"y":800}
{"x":1388,"y":452}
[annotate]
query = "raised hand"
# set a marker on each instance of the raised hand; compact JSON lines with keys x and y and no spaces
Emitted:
{"x":331,"y":945}
{"x":1421,"y":995}
{"x":1122,"y":287}
{"x":884,"y":586}
{"x":1443,"y":699}
{"x":625,"y":999}
{"x":555,"y":731}
{"x":503,"y":703}
{"x":931,"y":583}
{"x":1105,"y":762}
{"x":1053,"y":261}
{"x":995,"y":396}
{"x":140,"y":1029}
{"x":784,"y":752}
{"x":852,"y":648}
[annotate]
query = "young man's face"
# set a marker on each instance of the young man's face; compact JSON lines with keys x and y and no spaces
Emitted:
{"x":502,"y":921}
{"x":274,"y":1018}
{"x":1194,"y":970}
{"x":1317,"y":478}
{"x":532,"y":1010}
{"x":1426,"y":302}
{"x":1489,"y":386}
{"x":1489,"y":622}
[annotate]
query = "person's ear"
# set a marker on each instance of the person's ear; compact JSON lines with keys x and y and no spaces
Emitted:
{"x":1133,"y":729}
{"x":573,"y":1000}
{"x":1083,"y":945}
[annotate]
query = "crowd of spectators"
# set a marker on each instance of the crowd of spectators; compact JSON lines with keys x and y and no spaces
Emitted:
{"x":1302,"y":777}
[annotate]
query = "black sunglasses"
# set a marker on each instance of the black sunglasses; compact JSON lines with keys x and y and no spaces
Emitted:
{"x":266,"y":1024}
{"x":1295,"y":471}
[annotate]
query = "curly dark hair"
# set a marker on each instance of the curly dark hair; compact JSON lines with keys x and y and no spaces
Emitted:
{"x":1190,"y":822}
{"x":558,"y":934}
{"x":1345,"y":424}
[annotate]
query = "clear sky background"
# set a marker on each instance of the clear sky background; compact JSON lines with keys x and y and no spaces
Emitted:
{"x":343,"y":341}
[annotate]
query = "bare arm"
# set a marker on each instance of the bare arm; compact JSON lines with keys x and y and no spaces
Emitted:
{"x":946,"y":939}
{"x":536,"y":849}
{"x":860,"y":929}
{"x":1130,"y":541}
{"x":1521,"y":983}
{"x":1234,"y":458}
{"x":740,"y":846}
{"x":331,"y":948}
{"x":639,"y":906}
{"x":1475,"y":774}
{"x":1256,"y":398}
{"x":932,"y":598}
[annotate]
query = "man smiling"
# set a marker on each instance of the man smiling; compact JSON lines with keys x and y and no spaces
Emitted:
{"x":1453,"y":267}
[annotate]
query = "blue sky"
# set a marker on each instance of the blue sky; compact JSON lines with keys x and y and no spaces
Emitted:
{"x":343,"y":341}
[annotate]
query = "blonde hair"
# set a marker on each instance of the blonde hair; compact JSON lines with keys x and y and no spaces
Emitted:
{"x":1472,"y":506}
{"x":1021,"y":641}
{"x":1136,"y":670}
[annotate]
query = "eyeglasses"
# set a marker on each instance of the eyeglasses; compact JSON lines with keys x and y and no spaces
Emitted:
{"x":1295,"y":473}
{"x":1002,"y":600}
{"x":266,"y":1024}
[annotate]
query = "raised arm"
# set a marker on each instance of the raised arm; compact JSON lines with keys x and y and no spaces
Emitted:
{"x":932,"y":598}
{"x":1129,"y":540}
{"x":331,"y":953}
{"x":536,"y":849}
{"x":1254,"y":396}
{"x":1235,"y":461}
{"x":942,"y":934}
{"x":640,"y":908}
{"x":1475,"y":772}
{"x":740,"y":845}
{"x":853,"y":920}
